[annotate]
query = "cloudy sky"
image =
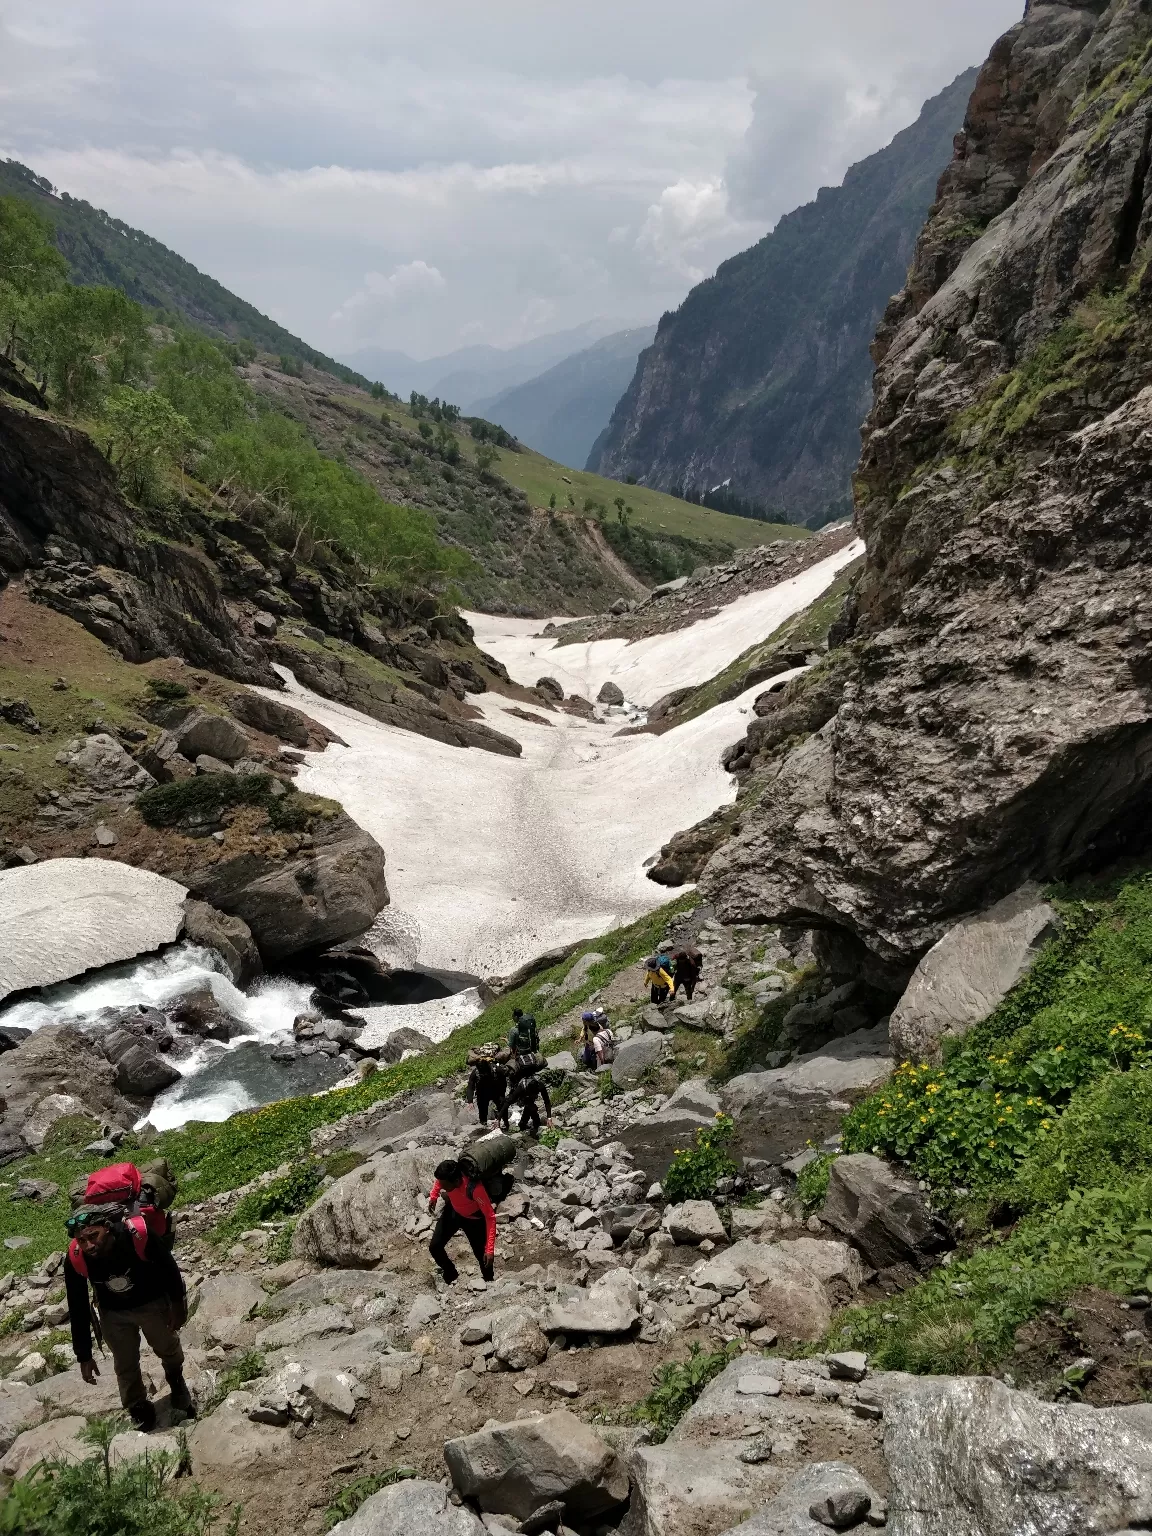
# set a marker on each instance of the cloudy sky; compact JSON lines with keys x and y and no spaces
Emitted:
{"x":428,"y":176}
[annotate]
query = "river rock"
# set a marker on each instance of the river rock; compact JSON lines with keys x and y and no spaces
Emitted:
{"x":61,"y":917}
{"x":228,"y":935}
{"x":58,"y":1071}
{"x":141,"y":1071}
{"x":315,"y":896}
{"x":971,"y":1457}
{"x":355,"y":1220}
{"x":969,"y":971}
{"x":611,"y":1305}
{"x":634,"y":1057}
{"x":886,"y":1216}
{"x":517,"y":1338}
{"x":414,"y":1508}
{"x":693,"y":1222}
{"x":514,"y":1468}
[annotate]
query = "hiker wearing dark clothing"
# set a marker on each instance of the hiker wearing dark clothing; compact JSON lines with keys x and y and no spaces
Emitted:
{"x":527,"y":1093}
{"x":524,"y":1036}
{"x":139,"y":1290}
{"x":488,"y":1086}
{"x":467,"y":1209}
{"x":689,"y":965}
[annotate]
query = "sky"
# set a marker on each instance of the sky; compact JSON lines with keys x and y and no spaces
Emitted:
{"x":427,"y":177}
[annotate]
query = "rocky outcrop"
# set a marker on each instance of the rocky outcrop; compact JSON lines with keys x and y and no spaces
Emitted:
{"x":886,"y":1216}
{"x":969,"y":971}
{"x":996,"y":721}
{"x":67,"y":916}
{"x":228,"y":935}
{"x":354,"y":1222}
{"x":58,"y":1071}
{"x":760,"y":378}
{"x":514,"y":1469}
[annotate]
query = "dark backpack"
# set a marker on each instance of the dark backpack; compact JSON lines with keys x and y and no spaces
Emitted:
{"x":485,"y":1162}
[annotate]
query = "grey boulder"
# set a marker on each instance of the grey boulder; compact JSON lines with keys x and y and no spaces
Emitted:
{"x":356,"y":1220}
{"x":634,"y":1057}
{"x":610,"y":1306}
{"x":205,"y":735}
{"x":969,"y":971}
{"x":693,"y":1222}
{"x":512,"y":1469}
{"x":517,"y":1338}
{"x":828,"y":1493}
{"x":886,"y":1216}
{"x":414,"y":1508}
{"x":610,"y":693}
{"x":228,"y":935}
{"x":971,"y":1457}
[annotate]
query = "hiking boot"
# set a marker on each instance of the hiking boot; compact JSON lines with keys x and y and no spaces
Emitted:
{"x":181,"y":1397}
{"x":143,"y":1415}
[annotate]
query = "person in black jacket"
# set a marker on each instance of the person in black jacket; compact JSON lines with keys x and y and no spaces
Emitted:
{"x":488,"y":1085}
{"x":527,"y":1093}
{"x":139,"y":1290}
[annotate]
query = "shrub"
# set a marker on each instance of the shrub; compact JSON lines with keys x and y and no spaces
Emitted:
{"x":693,"y":1172}
{"x":353,"y":1494}
{"x":163,"y":688}
{"x":812,"y":1185}
{"x":94,"y":1498}
{"x":1103,"y":1137}
{"x":678,"y":1385}
{"x":287,"y":1196}
{"x":207,"y":796}
{"x":250,"y":1366}
{"x":85,"y":341}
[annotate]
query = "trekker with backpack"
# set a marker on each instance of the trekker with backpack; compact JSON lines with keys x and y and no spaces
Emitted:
{"x":472,"y":1186}
{"x":658,"y":978}
{"x":527,"y":1094}
{"x":121,"y":1243}
{"x":689,"y":963}
{"x":488,"y":1086}
{"x":524,"y":1036}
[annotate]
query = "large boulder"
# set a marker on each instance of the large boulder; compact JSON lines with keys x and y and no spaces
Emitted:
{"x":610,"y":693}
{"x":224,"y":1305}
{"x":202,"y":734}
{"x":636,"y":1056}
{"x":886,"y":1216}
{"x":317,"y":895}
{"x":512,"y":1469}
{"x":229,"y":1442}
{"x":62,"y":917}
{"x":20,"y":1409}
{"x":415,"y":1508}
{"x":141,"y":1071}
{"x":611,"y":1305}
{"x":107,"y":767}
{"x":854,"y":1064}
{"x":355,"y":1222}
{"x":228,"y":935}
{"x":971,"y":1457}
{"x":828,"y":1494}
{"x":58,"y":1062}
{"x":275,"y":718}
{"x":517,"y":1338}
{"x":694,"y":1221}
{"x":969,"y":971}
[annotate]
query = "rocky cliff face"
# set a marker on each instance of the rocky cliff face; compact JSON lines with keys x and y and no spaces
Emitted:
{"x":762,"y":376}
{"x":990,"y":715}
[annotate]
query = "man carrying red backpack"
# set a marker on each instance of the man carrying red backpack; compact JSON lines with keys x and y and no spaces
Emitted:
{"x":124,"y":1249}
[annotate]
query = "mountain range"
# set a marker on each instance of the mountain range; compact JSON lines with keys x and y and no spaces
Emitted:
{"x":762,"y":377}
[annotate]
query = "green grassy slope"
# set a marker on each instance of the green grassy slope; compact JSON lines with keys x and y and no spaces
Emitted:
{"x":103,"y":250}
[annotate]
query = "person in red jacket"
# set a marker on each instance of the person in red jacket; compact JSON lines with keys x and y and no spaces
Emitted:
{"x":467,"y":1209}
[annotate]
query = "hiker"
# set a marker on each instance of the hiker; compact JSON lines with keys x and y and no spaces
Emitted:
{"x":604,"y":1044}
{"x":488,"y":1087}
{"x":688,"y":964}
{"x":472,"y":1186}
{"x":527,"y":1093}
{"x":139,"y":1290}
{"x":591,"y":1025}
{"x":524,"y":1036}
{"x":657,"y":976}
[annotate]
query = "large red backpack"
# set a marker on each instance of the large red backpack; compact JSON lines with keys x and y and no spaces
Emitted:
{"x":121,"y":1184}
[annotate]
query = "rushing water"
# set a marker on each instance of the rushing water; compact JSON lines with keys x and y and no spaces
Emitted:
{"x":219,"y":1079}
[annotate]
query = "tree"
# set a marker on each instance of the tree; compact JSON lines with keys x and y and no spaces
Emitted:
{"x":619,"y":504}
{"x":30,"y":264}
{"x":142,"y":436}
{"x":486,"y":456}
{"x":85,"y":341}
{"x":196,"y":376}
{"x":552,"y":501}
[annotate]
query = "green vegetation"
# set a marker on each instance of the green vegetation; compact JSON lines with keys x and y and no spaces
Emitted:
{"x":250,"y":1366}
{"x":678,"y":1385}
{"x":193,"y":802}
{"x":353,"y":1494}
{"x":812,"y":1184}
{"x":694,"y":1171}
{"x":98,"y":250}
{"x":286,"y":1196}
{"x":94,"y":1498}
{"x":1038,"y":1121}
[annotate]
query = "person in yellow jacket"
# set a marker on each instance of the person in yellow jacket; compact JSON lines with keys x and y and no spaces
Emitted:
{"x":658,"y":979}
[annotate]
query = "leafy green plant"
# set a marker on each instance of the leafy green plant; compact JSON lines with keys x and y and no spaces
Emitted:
{"x":280,"y":1248}
{"x":353,"y":1494}
{"x":606,"y":1086}
{"x":287,"y":1196}
{"x":812,"y":1184}
{"x":694,"y":1171}
{"x":249,"y":1367}
{"x":677,"y":1386}
{"x":143,"y":436}
{"x":207,"y":796}
{"x":550,"y":1137}
{"x":164,"y":688}
{"x":94,"y":1498}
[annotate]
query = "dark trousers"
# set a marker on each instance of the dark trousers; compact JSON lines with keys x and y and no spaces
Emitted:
{"x":447,"y":1226}
{"x":530,"y":1117}
{"x":484,"y":1099}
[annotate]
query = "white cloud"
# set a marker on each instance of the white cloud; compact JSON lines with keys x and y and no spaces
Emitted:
{"x":549,"y":164}
{"x":414,"y":281}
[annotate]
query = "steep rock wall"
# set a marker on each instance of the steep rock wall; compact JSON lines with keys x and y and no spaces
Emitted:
{"x":995,"y":718}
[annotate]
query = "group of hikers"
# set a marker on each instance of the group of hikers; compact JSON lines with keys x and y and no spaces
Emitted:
{"x":121,"y":1237}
